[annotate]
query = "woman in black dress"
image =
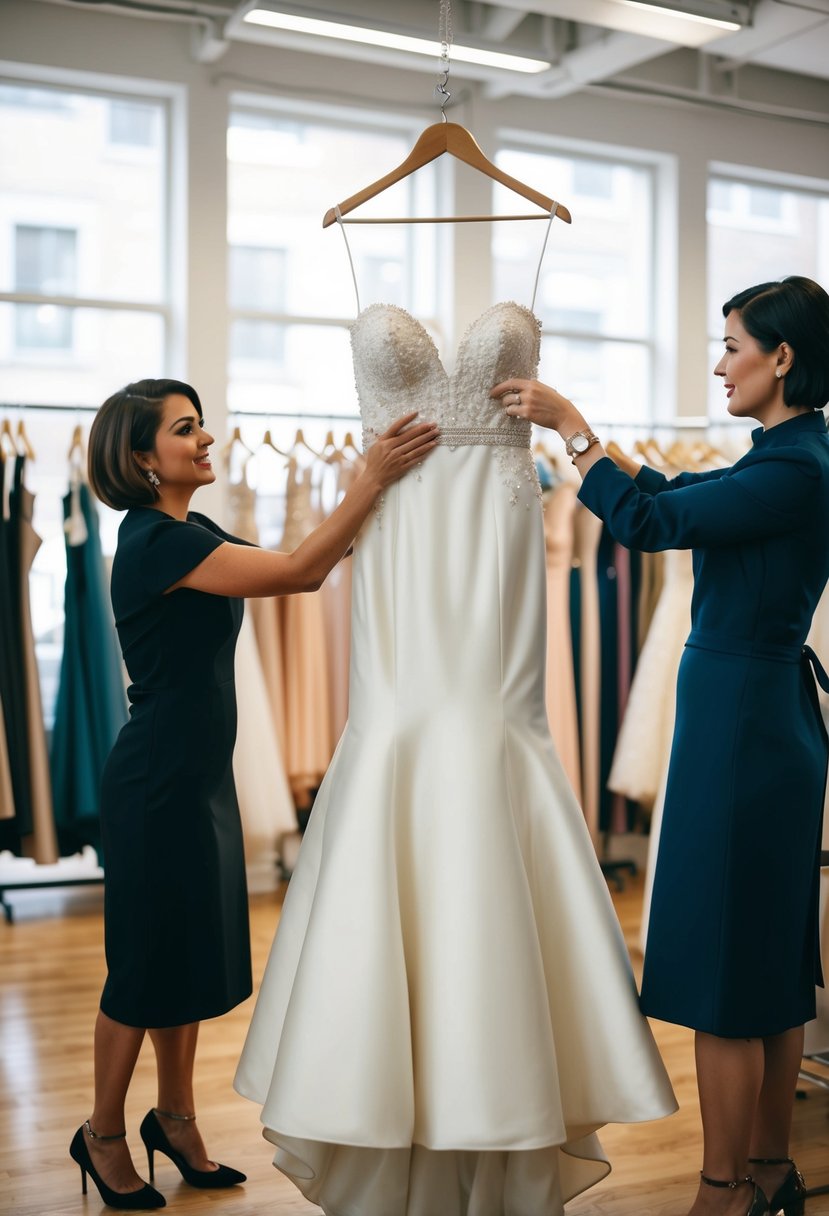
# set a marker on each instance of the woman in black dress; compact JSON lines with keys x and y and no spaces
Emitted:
{"x":176,"y":920}
{"x":732,"y":948}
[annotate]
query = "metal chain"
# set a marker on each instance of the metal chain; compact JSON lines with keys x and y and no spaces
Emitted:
{"x":445,"y":35}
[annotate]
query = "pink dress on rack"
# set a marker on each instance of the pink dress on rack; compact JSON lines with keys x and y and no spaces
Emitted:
{"x":305,"y":654}
{"x":559,"y":509}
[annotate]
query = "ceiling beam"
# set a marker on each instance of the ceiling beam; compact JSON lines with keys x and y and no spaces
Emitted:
{"x":605,"y":57}
{"x":501,"y":22}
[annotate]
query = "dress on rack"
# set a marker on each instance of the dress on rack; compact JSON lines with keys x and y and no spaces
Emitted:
{"x":12,"y":672}
{"x":265,"y":801}
{"x":176,"y":911}
{"x":448,"y":1013}
{"x":559,"y":508}
{"x":305,"y":657}
{"x":41,"y":843}
{"x":745,"y":790}
{"x":91,"y":705}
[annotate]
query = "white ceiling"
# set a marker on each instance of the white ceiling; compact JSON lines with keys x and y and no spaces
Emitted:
{"x":588,"y":42}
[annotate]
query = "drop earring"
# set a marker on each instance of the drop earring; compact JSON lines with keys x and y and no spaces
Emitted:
{"x":153,"y":478}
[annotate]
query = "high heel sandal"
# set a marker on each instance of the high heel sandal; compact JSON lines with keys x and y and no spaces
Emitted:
{"x":759,"y":1203}
{"x":790,"y":1196}
{"x":155,"y":1139}
{"x":127,"y":1201}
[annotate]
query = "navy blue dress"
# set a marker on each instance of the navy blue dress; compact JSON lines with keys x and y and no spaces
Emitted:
{"x":176,"y":912}
{"x":732,"y":943}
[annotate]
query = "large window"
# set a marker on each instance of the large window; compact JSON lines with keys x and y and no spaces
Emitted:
{"x":291,"y":293}
{"x":45,"y":263}
{"x":83,"y":243}
{"x":84,"y":289}
{"x":595,"y":291}
{"x":758,"y":231}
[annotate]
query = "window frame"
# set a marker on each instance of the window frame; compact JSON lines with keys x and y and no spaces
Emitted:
{"x":347,"y":119}
{"x":749,"y":175}
{"x":170,"y":306}
{"x":659,"y":345}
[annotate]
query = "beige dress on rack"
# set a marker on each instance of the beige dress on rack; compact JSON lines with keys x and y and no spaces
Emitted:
{"x":265,"y":802}
{"x":305,"y":658}
{"x":587,"y":531}
{"x":562,"y":715}
{"x":42,"y":844}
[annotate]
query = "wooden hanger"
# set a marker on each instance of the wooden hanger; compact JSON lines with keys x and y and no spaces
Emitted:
{"x":76,"y":447}
{"x":350,"y":446}
{"x":437,"y":139}
{"x":301,"y":442}
{"x":267,"y":442}
{"x":8,"y":447}
{"x":23,"y":441}
{"x":330,"y":452}
{"x":235,"y":437}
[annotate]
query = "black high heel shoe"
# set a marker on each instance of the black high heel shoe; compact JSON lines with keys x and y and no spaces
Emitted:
{"x":759,"y":1203}
{"x":154,"y":1137}
{"x":127,"y":1201}
{"x":790,"y":1196}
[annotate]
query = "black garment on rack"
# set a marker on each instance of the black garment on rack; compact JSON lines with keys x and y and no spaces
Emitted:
{"x":609,"y":632}
{"x":12,"y":675}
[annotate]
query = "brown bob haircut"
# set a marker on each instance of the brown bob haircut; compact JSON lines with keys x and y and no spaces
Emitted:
{"x":128,"y":422}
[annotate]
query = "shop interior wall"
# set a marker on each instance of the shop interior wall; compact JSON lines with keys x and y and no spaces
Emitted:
{"x":684,"y":139}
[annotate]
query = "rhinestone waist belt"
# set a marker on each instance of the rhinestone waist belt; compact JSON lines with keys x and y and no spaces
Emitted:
{"x":464,"y":436}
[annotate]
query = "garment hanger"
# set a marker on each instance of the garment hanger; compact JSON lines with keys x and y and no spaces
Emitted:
{"x":235,"y":437}
{"x":301,"y":442}
{"x":23,"y":443}
{"x":350,"y":446}
{"x":8,"y":447}
{"x":267,"y":442}
{"x":330,"y":453}
{"x":437,"y":139}
{"x":76,"y":448}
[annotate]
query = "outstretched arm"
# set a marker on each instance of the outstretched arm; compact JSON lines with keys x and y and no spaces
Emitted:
{"x":236,"y":570}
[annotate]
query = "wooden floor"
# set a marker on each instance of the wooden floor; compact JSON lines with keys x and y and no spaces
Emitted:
{"x":51,"y":971}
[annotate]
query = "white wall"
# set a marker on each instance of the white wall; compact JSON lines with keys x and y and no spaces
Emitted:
{"x":686,"y":138}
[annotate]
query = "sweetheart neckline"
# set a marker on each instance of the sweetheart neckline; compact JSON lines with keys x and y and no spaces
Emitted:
{"x":492,"y":308}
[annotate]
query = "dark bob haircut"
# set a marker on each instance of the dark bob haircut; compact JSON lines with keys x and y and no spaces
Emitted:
{"x":128,"y":422}
{"x":794,"y":311}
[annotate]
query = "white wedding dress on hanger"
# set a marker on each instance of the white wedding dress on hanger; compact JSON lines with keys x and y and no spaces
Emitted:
{"x":448,"y":1013}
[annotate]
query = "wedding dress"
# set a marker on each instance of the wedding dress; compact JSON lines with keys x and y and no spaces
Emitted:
{"x":448,"y":1013}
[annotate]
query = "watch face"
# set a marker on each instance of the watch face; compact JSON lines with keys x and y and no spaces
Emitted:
{"x":580,"y":443}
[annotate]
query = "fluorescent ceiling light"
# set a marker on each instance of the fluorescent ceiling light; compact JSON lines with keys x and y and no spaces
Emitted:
{"x":397,"y":42}
{"x":681,"y":14}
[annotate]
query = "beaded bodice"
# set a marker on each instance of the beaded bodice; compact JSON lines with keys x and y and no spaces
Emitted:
{"x":397,"y":369}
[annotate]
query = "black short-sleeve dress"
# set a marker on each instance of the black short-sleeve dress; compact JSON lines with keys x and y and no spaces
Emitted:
{"x":176,"y":914}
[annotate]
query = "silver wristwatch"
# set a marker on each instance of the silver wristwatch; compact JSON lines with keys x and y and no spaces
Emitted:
{"x":579,"y":443}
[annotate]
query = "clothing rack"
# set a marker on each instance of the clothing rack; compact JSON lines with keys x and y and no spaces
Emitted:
{"x":268,"y":415}
{"x":49,"y":883}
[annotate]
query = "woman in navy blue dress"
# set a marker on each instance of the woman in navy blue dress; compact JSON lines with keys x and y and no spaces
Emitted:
{"x":732,"y":947}
{"x":175,"y":913}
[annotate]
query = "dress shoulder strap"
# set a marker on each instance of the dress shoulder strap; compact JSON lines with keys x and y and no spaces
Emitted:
{"x":543,"y":251}
{"x":348,"y":251}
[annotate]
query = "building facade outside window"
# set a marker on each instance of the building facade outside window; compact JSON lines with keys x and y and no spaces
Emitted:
{"x":758,"y":231}
{"x":84,"y":289}
{"x":596,"y":290}
{"x":291,"y":295}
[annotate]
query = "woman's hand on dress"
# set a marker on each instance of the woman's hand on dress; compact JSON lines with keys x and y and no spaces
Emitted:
{"x":540,"y":404}
{"x":399,"y":449}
